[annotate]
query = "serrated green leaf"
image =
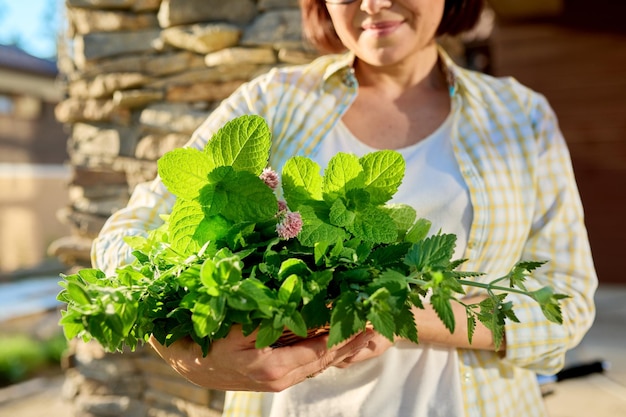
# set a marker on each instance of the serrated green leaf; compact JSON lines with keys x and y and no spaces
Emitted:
{"x":431,"y":253}
{"x":383,"y":173}
{"x":243,"y":143}
{"x":471,"y":325}
{"x":189,"y":228}
{"x":339,"y":215}
{"x":403,"y":216}
{"x":316,"y":230}
{"x":373,"y":224}
{"x":295,"y":323}
{"x":301,"y":182}
{"x":343,"y":173}
{"x":380,"y":313}
{"x":418,"y":231}
{"x":346,"y":319}
{"x":184,"y":171}
{"x":442,"y":306}
{"x":245,"y":198}
{"x":405,"y":325}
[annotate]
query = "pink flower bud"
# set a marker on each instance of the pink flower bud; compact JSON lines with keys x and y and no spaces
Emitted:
{"x":282,"y":206}
{"x":270,"y":178}
{"x":290,"y":225}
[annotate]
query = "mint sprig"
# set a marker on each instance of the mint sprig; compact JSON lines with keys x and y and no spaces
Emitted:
{"x":335,"y":253}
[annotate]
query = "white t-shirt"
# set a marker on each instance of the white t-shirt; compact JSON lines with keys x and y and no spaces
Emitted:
{"x":408,"y":379}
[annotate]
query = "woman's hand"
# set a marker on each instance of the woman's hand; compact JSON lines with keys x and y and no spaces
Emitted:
{"x":234,"y":364}
{"x":377,"y":345}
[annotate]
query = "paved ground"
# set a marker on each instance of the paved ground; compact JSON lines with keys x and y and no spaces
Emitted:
{"x":597,"y":395}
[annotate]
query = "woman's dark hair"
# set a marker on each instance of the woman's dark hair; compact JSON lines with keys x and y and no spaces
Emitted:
{"x":458,"y":16}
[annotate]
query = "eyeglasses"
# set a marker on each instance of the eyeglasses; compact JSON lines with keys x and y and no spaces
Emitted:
{"x":339,"y":1}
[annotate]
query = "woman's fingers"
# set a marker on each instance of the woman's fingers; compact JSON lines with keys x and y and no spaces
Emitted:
{"x":234,"y":363}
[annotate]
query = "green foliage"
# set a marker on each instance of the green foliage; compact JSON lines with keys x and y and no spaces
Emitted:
{"x":220,"y":260}
{"x":22,"y":356}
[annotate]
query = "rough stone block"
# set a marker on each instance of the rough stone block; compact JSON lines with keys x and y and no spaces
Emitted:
{"x":181,"y":12}
{"x":276,"y":28}
{"x":202,"y":38}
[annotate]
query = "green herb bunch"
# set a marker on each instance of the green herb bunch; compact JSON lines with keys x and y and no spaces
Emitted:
{"x":333,"y":253}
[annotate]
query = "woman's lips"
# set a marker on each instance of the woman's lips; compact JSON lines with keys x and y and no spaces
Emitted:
{"x":380,"y":28}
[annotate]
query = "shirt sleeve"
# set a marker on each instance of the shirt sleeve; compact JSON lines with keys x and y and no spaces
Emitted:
{"x":558,"y":235}
{"x":150,"y":200}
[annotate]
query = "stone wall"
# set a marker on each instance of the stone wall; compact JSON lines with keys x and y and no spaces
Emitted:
{"x":141,"y":76}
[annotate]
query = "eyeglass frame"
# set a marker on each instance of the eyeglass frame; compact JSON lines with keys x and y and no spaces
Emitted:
{"x":339,"y":2}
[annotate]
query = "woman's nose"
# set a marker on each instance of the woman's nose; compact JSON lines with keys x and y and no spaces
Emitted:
{"x":374,"y":6}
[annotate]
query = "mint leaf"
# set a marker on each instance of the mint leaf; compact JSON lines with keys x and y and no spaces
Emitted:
{"x":237,"y":195}
{"x":383,"y":172}
{"x":301,"y":181}
{"x":342,"y":174}
{"x":340,"y":215}
{"x":189,"y":229}
{"x":403,"y":216}
{"x":418,"y":231}
{"x":373,"y":224}
{"x":207,"y":314}
{"x":184,"y":171}
{"x":243,"y":143}
{"x":315,"y":229}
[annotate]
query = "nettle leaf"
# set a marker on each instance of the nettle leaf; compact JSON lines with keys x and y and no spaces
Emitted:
{"x":239,"y":196}
{"x":380,"y":313}
{"x":346,"y":319}
{"x":185,"y":171}
{"x":243,"y":143}
{"x":431,"y":253}
{"x":383,"y":171}
{"x":373,"y":224}
{"x":442,"y":306}
{"x":301,"y":182}
{"x":190,"y":230}
{"x":520,"y":272}
{"x":342,"y":174}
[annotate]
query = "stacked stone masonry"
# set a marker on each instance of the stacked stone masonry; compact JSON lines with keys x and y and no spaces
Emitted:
{"x":141,"y":76}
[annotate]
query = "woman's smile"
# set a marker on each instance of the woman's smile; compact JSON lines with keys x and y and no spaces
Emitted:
{"x":380,"y":29}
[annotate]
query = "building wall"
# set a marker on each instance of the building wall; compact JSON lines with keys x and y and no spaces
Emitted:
{"x":30,"y":196}
{"x":33,"y":177}
{"x":581,"y":68}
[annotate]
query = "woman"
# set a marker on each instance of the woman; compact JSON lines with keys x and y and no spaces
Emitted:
{"x":485,"y":160}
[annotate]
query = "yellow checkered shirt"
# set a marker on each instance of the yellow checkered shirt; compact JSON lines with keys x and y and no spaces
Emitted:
{"x":523,"y":193}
